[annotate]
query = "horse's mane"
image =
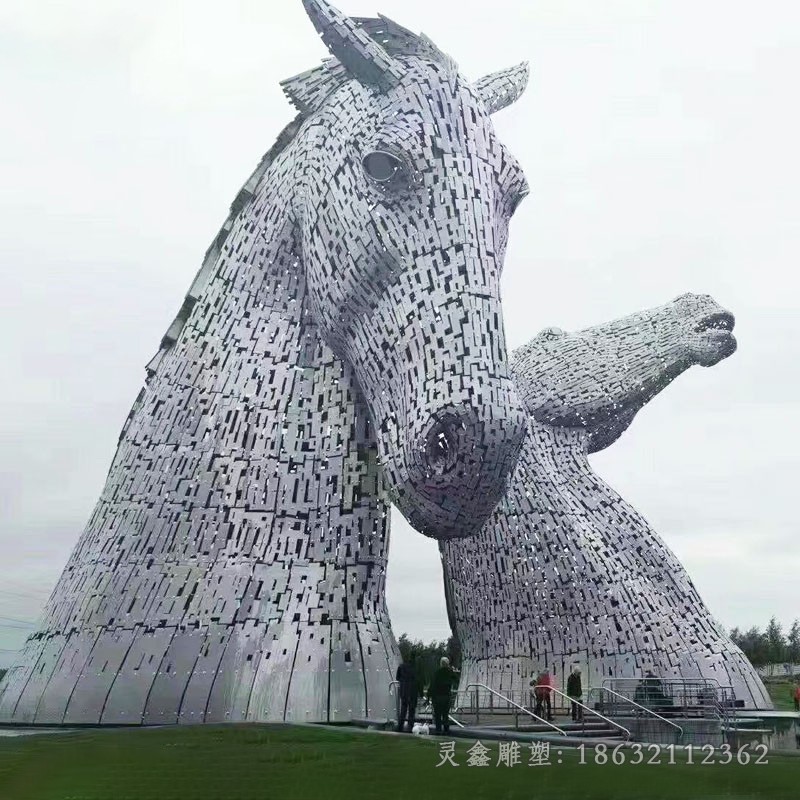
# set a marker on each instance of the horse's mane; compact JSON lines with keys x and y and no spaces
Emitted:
{"x":308,"y":93}
{"x":215,"y":248}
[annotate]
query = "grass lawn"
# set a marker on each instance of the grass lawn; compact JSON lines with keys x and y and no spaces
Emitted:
{"x":240,"y":762}
{"x":781,"y":693}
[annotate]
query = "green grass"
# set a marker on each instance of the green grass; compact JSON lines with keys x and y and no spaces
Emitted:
{"x":240,"y":762}
{"x":781,"y":693}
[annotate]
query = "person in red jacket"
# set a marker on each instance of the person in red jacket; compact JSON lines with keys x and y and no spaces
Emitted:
{"x":797,"y":697}
{"x":543,"y":698}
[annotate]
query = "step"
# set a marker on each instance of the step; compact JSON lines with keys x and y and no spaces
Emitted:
{"x":498,"y":734}
{"x":571,"y":730}
{"x":581,"y":730}
{"x":526,"y":724}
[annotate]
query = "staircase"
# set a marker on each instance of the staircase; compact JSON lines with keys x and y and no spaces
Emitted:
{"x":587,"y":729}
{"x":491,"y":715}
{"x":575,"y":733}
{"x":609,"y":716}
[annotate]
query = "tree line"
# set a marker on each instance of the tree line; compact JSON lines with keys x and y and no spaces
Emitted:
{"x":770,"y":646}
{"x":427,"y":656}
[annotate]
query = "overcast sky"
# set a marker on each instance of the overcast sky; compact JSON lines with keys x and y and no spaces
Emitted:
{"x":660,"y":140}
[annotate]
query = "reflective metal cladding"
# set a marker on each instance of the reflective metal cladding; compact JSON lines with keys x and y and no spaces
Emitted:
{"x":341,"y":347}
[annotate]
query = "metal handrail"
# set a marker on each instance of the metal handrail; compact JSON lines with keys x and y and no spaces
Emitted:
{"x":516,"y":705}
{"x":684,"y":682}
{"x":644,"y":708}
{"x":726,"y":712}
{"x":719,"y":710}
{"x":453,"y":719}
{"x":590,"y":710}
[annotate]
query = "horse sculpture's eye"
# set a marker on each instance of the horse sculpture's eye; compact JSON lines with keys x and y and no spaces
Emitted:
{"x":382,"y":167}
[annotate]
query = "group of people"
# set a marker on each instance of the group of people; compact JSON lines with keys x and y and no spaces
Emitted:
{"x":445,"y":681}
{"x":542,"y":685}
{"x":439,"y":692}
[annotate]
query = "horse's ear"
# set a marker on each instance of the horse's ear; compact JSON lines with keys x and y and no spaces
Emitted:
{"x":501,"y":89}
{"x":361,"y":56}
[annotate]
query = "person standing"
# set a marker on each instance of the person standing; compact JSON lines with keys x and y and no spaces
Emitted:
{"x":551,"y":696}
{"x":542,"y":691}
{"x":440,"y":693}
{"x":538,"y":693}
{"x":575,"y":692}
{"x":797,"y":697}
{"x":534,"y":697}
{"x":408,"y":692}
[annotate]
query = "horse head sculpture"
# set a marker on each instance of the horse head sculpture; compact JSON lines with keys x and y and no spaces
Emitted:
{"x":342,"y":345}
{"x":599,"y":378}
{"x":566,"y":571}
{"x":402,"y":202}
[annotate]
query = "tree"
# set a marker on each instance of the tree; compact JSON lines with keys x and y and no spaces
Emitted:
{"x":755,"y":646}
{"x":793,"y":643}
{"x":427,"y":656}
{"x":454,"y":652}
{"x":776,"y":643}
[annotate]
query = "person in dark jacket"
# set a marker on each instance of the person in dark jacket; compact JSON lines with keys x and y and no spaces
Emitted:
{"x":408,"y":691}
{"x":440,"y":693}
{"x":575,"y":692}
{"x":650,"y":690}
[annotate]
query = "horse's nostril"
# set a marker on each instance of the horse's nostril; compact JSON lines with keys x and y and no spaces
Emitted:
{"x":442,"y":446}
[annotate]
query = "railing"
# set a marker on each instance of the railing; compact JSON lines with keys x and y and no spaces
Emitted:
{"x":704,"y":696}
{"x":578,"y":703}
{"x":453,"y":719}
{"x":726,"y":705}
{"x":476,"y":706}
{"x":723,"y":703}
{"x":651,"y":701}
{"x":516,"y":706}
{"x":638,"y":706}
{"x":701,"y":698}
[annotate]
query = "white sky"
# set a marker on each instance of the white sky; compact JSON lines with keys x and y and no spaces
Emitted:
{"x":661,"y":143}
